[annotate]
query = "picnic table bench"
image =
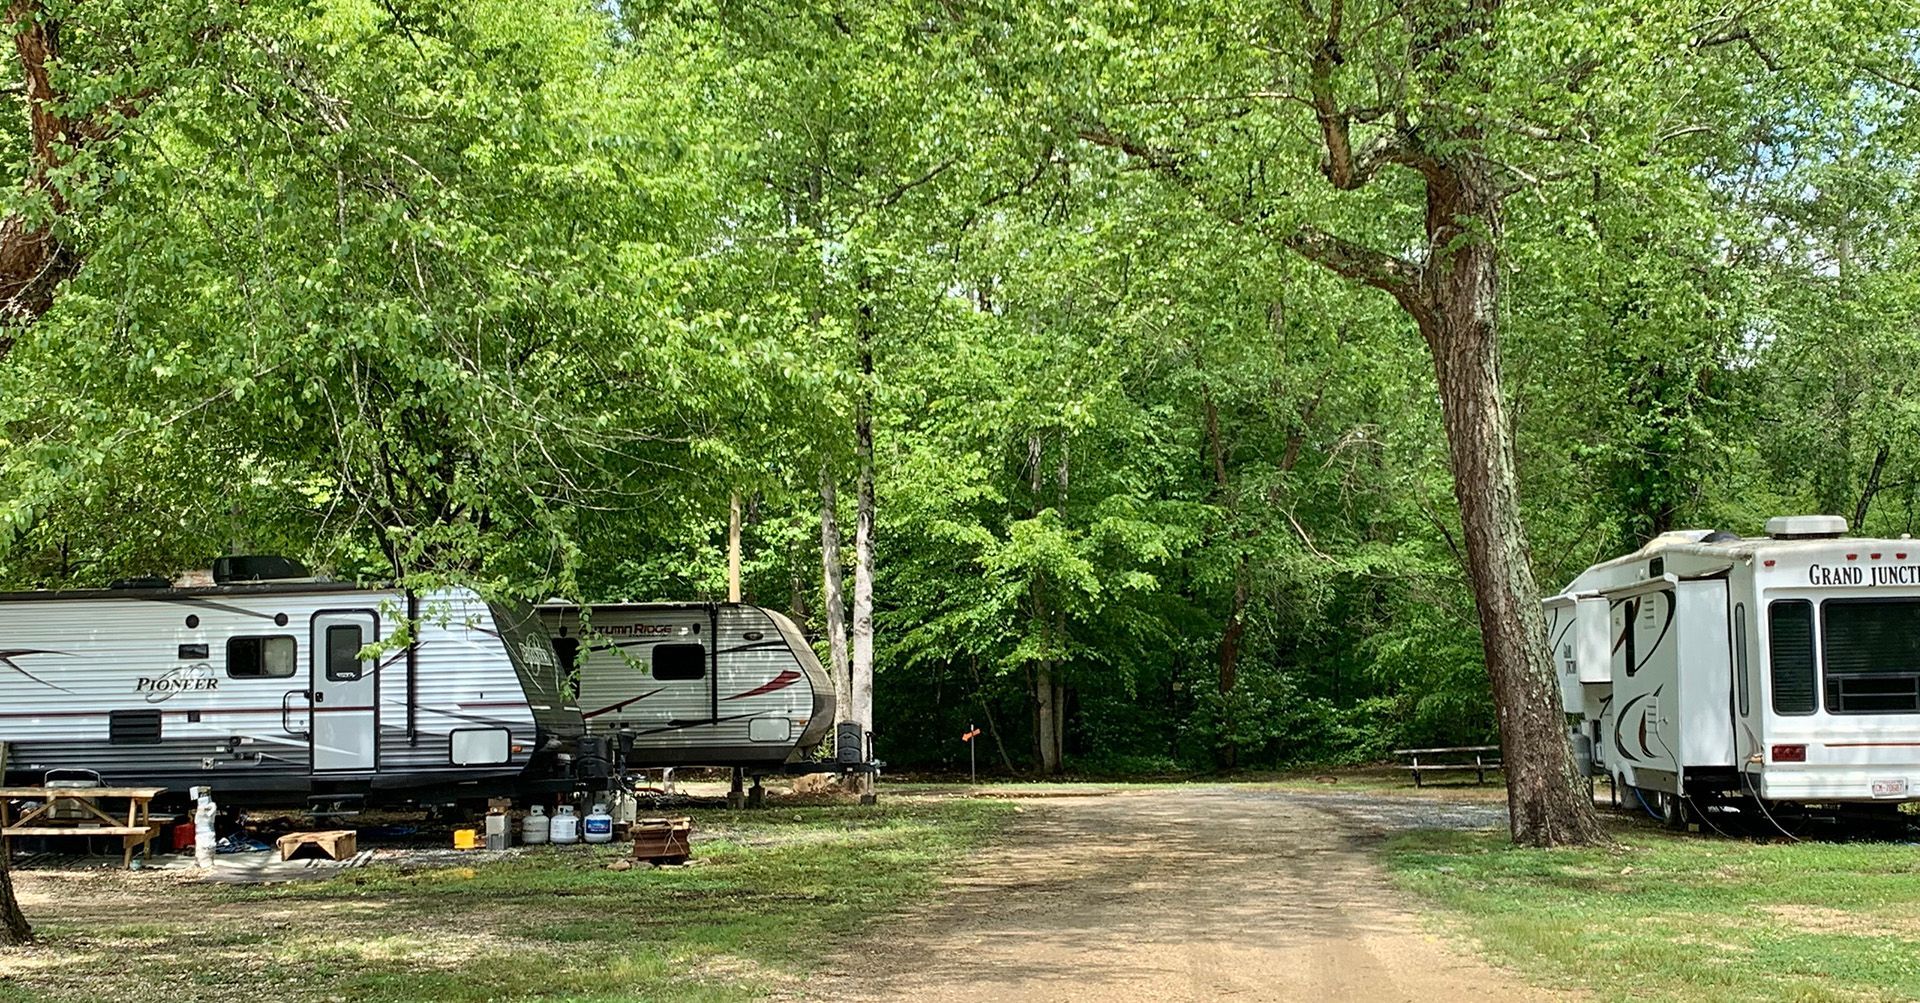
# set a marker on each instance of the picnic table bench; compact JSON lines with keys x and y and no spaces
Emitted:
{"x":1479,"y":758}
{"x":136,"y":831}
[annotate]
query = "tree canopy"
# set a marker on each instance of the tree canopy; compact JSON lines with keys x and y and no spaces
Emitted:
{"x":523,"y":293}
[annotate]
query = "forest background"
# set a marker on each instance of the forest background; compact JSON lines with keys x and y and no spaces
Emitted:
{"x":996,"y":310}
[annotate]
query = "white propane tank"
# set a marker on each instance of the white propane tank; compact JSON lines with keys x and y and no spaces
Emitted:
{"x":599,"y":825}
{"x":536,"y":827}
{"x":566,"y":825}
{"x":204,"y":813}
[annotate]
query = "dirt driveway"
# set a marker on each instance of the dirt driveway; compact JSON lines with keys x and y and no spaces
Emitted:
{"x":1215,"y":893}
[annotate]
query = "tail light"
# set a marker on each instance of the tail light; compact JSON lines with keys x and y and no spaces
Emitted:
{"x":1789,"y":753}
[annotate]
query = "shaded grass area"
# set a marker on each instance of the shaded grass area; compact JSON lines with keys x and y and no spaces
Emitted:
{"x":1677,"y":917}
{"x":1380,"y":778}
{"x":756,"y":910}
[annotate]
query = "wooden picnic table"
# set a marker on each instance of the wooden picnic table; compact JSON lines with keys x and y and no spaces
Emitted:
{"x":136,"y":831}
{"x":1453,"y":758}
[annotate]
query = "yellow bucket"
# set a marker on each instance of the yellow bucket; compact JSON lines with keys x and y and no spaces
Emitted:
{"x":466,"y":839}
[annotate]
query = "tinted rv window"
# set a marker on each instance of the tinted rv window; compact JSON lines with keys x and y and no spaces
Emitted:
{"x":1790,"y":649}
{"x":1872,"y":654}
{"x":260,"y":657}
{"x":343,"y":652}
{"x":680,"y":661}
{"x":1740,"y":683}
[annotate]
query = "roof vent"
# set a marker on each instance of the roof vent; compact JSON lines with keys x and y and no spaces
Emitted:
{"x":232,"y":570}
{"x":1806,"y":527}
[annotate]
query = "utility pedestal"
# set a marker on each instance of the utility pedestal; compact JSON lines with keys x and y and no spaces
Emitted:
{"x":757,"y":795}
{"x":736,"y":798}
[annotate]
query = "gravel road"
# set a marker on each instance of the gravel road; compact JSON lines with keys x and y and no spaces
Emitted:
{"x":1215,"y":893}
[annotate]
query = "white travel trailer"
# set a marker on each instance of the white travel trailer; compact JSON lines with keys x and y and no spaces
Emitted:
{"x":261,"y":691}
{"x":1707,"y":669}
{"x":695,"y":684}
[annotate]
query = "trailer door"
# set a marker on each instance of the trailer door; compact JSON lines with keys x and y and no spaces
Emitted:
{"x":346,"y":722}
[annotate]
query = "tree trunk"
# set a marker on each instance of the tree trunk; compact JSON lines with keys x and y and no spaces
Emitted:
{"x":1860,"y":510}
{"x":863,"y":561}
{"x":14,"y":930}
{"x":1546,"y":798}
{"x":1045,"y":717}
{"x":1228,"y":655}
{"x":833,"y":597}
{"x":733,"y":549}
{"x":33,"y":261}
{"x":797,"y":598}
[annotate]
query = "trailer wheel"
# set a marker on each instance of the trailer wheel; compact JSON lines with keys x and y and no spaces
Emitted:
{"x":1675,"y":812}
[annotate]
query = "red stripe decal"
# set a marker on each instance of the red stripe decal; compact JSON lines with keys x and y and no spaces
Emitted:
{"x":786,"y":678}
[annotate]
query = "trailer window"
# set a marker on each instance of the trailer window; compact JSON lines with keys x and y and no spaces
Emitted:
{"x":269,"y":657}
{"x":680,"y":661}
{"x":1740,"y":683}
{"x":1872,"y":655}
{"x":1790,"y":649}
{"x":343,"y":652}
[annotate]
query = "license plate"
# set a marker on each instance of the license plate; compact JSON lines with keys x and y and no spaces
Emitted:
{"x":1890,"y":788}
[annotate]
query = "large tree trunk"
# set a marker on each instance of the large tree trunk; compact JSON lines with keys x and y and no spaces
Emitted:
{"x":833,"y":596}
{"x":1546,"y":798}
{"x":1451,"y":289}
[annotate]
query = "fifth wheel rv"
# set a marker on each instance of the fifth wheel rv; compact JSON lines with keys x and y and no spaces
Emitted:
{"x":1710,"y":671}
{"x":275,"y":691}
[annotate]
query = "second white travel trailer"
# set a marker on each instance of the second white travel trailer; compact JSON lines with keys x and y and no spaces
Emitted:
{"x":260,"y":690}
{"x":695,"y":684}
{"x":1709,"y":670}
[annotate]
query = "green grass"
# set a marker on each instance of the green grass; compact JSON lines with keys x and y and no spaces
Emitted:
{"x":1671,"y":917}
{"x":754,"y":913}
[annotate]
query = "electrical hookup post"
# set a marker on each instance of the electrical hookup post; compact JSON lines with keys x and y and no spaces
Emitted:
{"x":973,"y":757}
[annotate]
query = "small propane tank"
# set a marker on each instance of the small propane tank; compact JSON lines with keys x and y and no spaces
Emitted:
{"x":204,"y":814}
{"x":536,"y":827}
{"x":566,"y":825}
{"x":624,"y":807}
{"x":599,"y":825}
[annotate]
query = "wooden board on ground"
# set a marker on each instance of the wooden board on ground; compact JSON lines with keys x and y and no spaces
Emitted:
{"x":333,"y":844}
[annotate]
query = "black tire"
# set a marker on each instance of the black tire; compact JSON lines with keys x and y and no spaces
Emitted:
{"x":1676,"y":812}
